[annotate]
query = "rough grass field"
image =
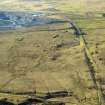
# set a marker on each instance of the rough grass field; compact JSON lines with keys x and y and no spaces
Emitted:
{"x":49,"y":58}
{"x":68,"y":6}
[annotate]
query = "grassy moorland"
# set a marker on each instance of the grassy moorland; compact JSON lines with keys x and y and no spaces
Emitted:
{"x":69,"y":5}
{"x":48,"y":57}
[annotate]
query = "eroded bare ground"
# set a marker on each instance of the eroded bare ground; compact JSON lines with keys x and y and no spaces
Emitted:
{"x":49,"y":58}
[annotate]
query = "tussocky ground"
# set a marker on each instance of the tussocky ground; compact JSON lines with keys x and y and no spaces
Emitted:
{"x":48,"y":57}
{"x":40,"y":5}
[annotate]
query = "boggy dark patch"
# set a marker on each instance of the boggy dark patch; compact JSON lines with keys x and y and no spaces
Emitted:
{"x":31,"y":102}
{"x":3,"y":102}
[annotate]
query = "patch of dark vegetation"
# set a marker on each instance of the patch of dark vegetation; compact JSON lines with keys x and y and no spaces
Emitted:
{"x":4,"y":102}
{"x":100,"y":59}
{"x":103,"y":60}
{"x":56,"y":21}
{"x":103,"y":95}
{"x":58,"y":94}
{"x":103,"y":15}
{"x":101,"y":56}
{"x":17,"y":93}
{"x":34,"y":101}
{"x":77,"y":31}
{"x":101,"y":80}
{"x":41,"y":101}
{"x":97,"y":44}
{"x":92,"y":53}
{"x":55,"y":36}
{"x":67,"y":44}
{"x":59,"y":45}
{"x":31,"y":102}
{"x":91,"y":87}
{"x":55,"y":56}
{"x":96,"y":52}
{"x":91,"y":70}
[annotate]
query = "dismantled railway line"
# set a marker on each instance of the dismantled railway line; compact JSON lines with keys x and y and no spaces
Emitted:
{"x":93,"y":67}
